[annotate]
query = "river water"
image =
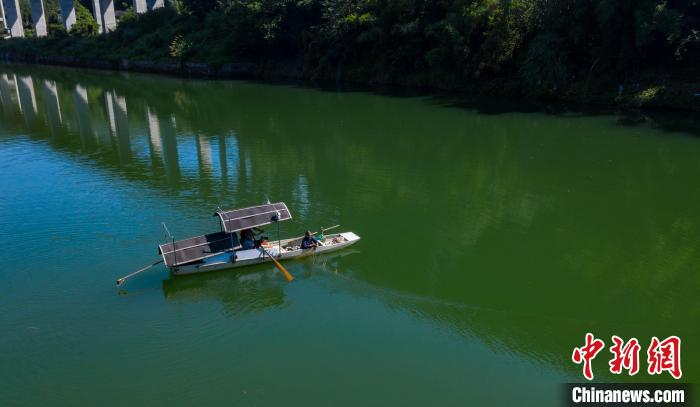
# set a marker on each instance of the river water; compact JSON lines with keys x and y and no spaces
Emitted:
{"x":495,"y":234}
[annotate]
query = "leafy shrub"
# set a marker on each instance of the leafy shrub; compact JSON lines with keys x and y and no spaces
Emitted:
{"x":85,"y":25}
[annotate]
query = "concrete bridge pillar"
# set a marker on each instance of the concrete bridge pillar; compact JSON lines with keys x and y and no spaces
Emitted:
{"x":13,"y":18}
{"x":103,"y":11}
{"x":154,"y":4}
{"x":109,"y":21}
{"x":38,"y":17}
{"x":3,"y":21}
{"x":97,"y":13}
{"x":140,"y":6}
{"x":68,"y":13}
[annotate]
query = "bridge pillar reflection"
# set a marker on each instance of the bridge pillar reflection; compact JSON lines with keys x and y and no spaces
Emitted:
{"x":121,"y":121}
{"x":170,"y":155}
{"x":38,"y":17}
{"x":53,"y":106}
{"x":13,"y":18}
{"x":82,"y":111}
{"x":222,"y":158}
{"x":10,"y":94}
{"x":27,"y":97}
{"x":155,"y":140}
{"x":109,"y":104}
{"x":5,"y":92}
{"x":204,"y":155}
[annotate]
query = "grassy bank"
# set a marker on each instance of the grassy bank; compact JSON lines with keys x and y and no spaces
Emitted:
{"x":641,"y":53}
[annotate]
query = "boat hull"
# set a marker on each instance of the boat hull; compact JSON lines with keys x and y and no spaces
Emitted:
{"x":290,"y":250}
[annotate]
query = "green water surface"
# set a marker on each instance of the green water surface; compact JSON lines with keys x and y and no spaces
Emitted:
{"x":495,"y":234}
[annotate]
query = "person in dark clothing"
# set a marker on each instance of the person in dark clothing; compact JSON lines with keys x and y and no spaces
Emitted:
{"x":309,"y":241}
{"x":247,"y":239}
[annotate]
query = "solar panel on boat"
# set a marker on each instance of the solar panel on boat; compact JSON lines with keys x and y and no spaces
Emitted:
{"x":195,"y":248}
{"x":246,"y":218}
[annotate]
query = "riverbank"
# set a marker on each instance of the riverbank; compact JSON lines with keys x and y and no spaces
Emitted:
{"x":557,"y":51}
{"x":665,"y":94}
{"x":662,"y":94}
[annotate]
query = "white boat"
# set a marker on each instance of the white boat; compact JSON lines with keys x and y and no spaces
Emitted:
{"x":290,"y":249}
{"x":222,"y":250}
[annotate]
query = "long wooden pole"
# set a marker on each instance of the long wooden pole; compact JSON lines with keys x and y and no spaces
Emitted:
{"x":313,"y":233}
{"x":329,"y":228}
{"x":123,"y":279}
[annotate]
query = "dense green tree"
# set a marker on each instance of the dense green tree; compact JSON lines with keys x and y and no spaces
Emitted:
{"x":534,"y":46}
{"x":85,"y":24}
{"x":198,"y":8}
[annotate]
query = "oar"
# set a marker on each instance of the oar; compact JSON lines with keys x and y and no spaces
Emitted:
{"x":329,"y":228}
{"x":123,"y":279}
{"x":323,"y":230}
{"x":279,"y":266}
{"x":313,"y":233}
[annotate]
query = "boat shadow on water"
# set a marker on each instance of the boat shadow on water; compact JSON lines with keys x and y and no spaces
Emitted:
{"x":251,"y":289}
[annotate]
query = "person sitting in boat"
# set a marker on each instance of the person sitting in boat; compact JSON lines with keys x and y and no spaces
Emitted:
{"x":248,"y":238}
{"x":309,"y":241}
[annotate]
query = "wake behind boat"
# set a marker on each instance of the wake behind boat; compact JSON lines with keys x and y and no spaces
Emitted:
{"x":223,"y":250}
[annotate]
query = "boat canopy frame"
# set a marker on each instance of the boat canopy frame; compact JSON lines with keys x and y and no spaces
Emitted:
{"x":253,"y":216}
{"x":181,"y":252}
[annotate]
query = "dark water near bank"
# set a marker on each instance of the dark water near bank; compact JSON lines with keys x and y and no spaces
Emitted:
{"x":494,"y":236}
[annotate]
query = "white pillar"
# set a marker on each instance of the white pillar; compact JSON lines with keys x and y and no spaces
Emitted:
{"x":109,"y":21}
{"x":103,"y":11}
{"x":14,"y":18}
{"x":97,"y":13}
{"x":68,"y":13}
{"x":154,"y":4}
{"x":38,"y":17}
{"x":140,"y":6}
{"x":3,"y":26}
